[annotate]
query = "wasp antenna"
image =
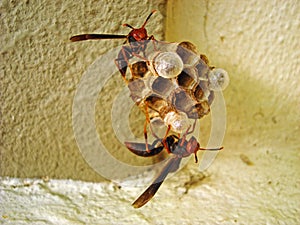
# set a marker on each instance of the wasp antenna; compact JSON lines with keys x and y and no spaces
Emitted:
{"x":153,"y":11}
{"x":196,"y":158}
{"x":212,"y":149}
{"x":127,"y":25}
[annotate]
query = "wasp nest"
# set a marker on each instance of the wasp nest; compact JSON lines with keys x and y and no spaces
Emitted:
{"x":175,"y":86}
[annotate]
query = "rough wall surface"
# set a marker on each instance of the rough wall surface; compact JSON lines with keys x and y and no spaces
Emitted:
{"x":40,"y":71}
{"x":255,"y":180}
{"x":257,"y":42}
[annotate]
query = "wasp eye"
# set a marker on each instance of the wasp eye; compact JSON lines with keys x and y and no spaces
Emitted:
{"x":218,"y":79}
{"x":168,"y":64}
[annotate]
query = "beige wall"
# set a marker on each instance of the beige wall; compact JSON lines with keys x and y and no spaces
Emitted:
{"x":257,"y":42}
{"x":40,"y":71}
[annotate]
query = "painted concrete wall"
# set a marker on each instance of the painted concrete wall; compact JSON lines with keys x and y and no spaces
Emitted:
{"x":255,"y":180}
{"x":40,"y":72}
{"x":258,"y":43}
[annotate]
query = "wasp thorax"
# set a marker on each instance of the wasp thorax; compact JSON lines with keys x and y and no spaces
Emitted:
{"x":179,"y":122}
{"x":218,"y":79}
{"x":167,"y":64}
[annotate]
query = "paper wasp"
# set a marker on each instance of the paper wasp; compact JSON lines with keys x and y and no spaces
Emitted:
{"x":137,"y":40}
{"x":174,"y":99}
{"x":178,"y":147}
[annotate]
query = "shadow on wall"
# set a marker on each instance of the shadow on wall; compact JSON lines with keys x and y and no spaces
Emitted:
{"x":259,"y":114}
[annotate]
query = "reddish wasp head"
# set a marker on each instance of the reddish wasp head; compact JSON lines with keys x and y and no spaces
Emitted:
{"x":138,"y":34}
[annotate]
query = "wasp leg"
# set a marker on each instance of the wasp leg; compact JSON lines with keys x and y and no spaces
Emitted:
{"x":145,"y":126}
{"x":187,"y":132}
{"x":139,"y":56}
{"x":122,"y":62}
{"x":147,"y":121}
{"x":164,"y":141}
{"x":152,"y":132}
{"x":154,"y":41}
{"x":146,"y":135}
{"x":193,"y":128}
{"x":183,"y":139}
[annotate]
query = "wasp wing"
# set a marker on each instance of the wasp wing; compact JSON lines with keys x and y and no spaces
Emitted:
{"x":171,"y":166}
{"x":83,"y":37}
{"x":141,"y":150}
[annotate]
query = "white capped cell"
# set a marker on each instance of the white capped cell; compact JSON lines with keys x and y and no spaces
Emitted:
{"x":167,"y":64}
{"x":218,"y":79}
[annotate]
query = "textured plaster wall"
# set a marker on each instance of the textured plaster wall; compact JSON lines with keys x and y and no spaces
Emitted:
{"x":40,"y":71}
{"x":255,"y":180}
{"x":258,"y":44}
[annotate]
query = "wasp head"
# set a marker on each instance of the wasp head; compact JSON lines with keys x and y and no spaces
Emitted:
{"x":138,"y":34}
